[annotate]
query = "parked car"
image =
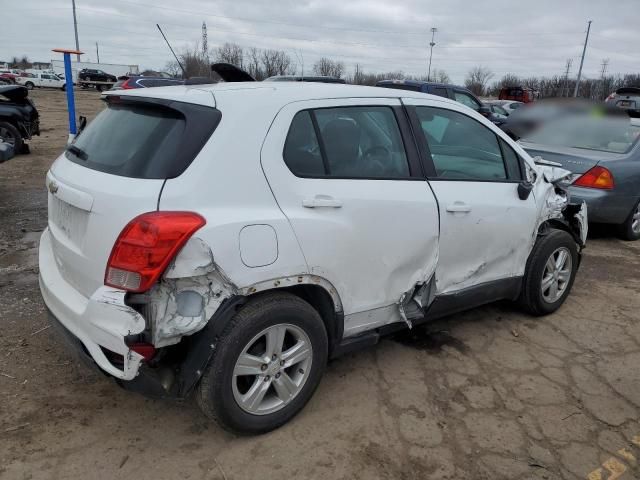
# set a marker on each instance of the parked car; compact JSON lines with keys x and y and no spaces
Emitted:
{"x":603,"y":153}
{"x":454,"y":92}
{"x":128,"y":82}
{"x":7,"y":77}
{"x":230,"y":239}
{"x":627,"y":98}
{"x":518,"y":94}
{"x":305,"y":78}
{"x":19,"y":118}
{"x":508,"y":106}
{"x":93,"y":75}
{"x":42,"y":80}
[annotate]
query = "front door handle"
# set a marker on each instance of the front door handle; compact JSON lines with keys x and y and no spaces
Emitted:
{"x":458,"y":207}
{"x":319,"y":201}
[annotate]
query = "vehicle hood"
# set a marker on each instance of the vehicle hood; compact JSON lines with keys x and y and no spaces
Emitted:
{"x":15,"y":93}
{"x":577,"y":160}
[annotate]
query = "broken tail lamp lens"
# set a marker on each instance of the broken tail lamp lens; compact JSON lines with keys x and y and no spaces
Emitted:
{"x":597,"y":177}
{"x":145,"y":247}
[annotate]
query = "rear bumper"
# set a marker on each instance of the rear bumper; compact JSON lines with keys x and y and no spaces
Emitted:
{"x":604,"y":205}
{"x":98,"y":324}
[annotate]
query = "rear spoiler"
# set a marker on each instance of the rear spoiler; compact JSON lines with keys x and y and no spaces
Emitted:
{"x":231,"y":73}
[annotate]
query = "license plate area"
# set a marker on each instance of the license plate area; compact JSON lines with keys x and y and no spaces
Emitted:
{"x":68,"y":220}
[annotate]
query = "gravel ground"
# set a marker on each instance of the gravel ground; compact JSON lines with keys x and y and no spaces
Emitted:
{"x":488,"y":394}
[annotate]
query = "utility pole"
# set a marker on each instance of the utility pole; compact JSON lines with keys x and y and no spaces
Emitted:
{"x":584,"y":50}
{"x":205,"y":47}
{"x":75,"y":27}
{"x":97,"y":52}
{"x":433,"y":34}
{"x":566,"y":77}
{"x":603,"y":72}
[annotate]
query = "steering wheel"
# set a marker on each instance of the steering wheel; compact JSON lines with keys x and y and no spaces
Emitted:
{"x":377,"y":159}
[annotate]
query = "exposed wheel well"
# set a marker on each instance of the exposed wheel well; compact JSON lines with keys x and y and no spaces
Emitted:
{"x":557,"y":224}
{"x":321,"y":301}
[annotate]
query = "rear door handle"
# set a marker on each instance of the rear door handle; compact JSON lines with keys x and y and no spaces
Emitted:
{"x":319,"y":201}
{"x":458,"y":207}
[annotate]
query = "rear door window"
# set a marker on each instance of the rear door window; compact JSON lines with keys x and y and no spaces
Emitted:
{"x":144,"y":140}
{"x":346,"y":142}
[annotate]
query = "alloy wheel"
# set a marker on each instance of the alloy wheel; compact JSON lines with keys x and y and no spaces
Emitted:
{"x":635,"y":220}
{"x":556,"y":276}
{"x":272,"y":369}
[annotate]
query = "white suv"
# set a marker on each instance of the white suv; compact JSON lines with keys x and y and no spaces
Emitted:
{"x":229,"y":239}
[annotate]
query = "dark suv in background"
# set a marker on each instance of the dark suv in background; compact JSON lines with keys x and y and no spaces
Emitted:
{"x":454,"y":92}
{"x":93,"y":75}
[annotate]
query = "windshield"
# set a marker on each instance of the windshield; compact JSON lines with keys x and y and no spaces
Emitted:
{"x":605,"y":134}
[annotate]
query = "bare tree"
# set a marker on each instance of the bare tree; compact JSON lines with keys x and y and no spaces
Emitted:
{"x":328,"y":68}
{"x":276,"y":62}
{"x":230,"y":53}
{"x":440,"y":76}
{"x":21,"y":63}
{"x":253,"y":63}
{"x":477,"y":79}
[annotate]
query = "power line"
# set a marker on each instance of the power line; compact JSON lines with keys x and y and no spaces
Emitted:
{"x":566,"y":77}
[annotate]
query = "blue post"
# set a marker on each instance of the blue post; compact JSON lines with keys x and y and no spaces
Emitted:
{"x":71,"y":104}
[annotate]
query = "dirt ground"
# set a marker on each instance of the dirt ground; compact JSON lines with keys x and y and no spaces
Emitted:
{"x":488,"y":394}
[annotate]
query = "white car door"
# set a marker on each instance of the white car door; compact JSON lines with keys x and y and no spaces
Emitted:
{"x":474,"y":171}
{"x":346,"y":174}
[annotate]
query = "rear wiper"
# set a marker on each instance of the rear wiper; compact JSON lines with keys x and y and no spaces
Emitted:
{"x":78,"y":152}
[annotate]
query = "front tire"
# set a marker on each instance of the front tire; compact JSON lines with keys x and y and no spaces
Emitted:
{"x":630,"y":229}
{"x":29,"y":85}
{"x":266,"y":366}
{"x":550,"y":273}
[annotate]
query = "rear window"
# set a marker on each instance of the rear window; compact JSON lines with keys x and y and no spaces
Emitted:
{"x":144,"y":139}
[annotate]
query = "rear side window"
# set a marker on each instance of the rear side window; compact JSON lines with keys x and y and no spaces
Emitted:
{"x":461,"y":147}
{"x":441,"y":92}
{"x":140,"y":139}
{"x":158,"y":82}
{"x":347,"y":142}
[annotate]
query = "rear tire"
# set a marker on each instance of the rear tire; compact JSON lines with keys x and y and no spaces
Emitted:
{"x":630,"y":229}
{"x":224,"y":391}
{"x":550,"y":272}
{"x":10,"y":134}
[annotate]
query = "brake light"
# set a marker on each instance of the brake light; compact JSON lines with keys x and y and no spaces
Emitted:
{"x":145,"y":247}
{"x":597,"y":177}
{"x":125,"y":85}
{"x":611,"y":97}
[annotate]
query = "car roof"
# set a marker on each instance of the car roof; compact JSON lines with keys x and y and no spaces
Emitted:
{"x":270,"y":93}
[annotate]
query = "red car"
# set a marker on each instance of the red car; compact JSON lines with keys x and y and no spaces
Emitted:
{"x":519,"y":94}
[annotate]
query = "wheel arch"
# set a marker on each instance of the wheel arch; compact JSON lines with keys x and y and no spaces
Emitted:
{"x":315,"y":290}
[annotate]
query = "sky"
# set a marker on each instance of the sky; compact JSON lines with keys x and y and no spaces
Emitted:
{"x":506,"y":36}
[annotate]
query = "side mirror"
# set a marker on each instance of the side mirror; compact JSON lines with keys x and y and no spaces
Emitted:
{"x":82,"y":122}
{"x":524,"y":189}
{"x":484,"y":111}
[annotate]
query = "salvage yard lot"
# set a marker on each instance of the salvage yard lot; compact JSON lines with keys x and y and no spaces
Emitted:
{"x":491,"y":393}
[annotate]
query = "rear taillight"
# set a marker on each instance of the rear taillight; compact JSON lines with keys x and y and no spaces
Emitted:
{"x":610,"y":97}
{"x":597,"y":177}
{"x":146,"y":246}
{"x":125,"y":85}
